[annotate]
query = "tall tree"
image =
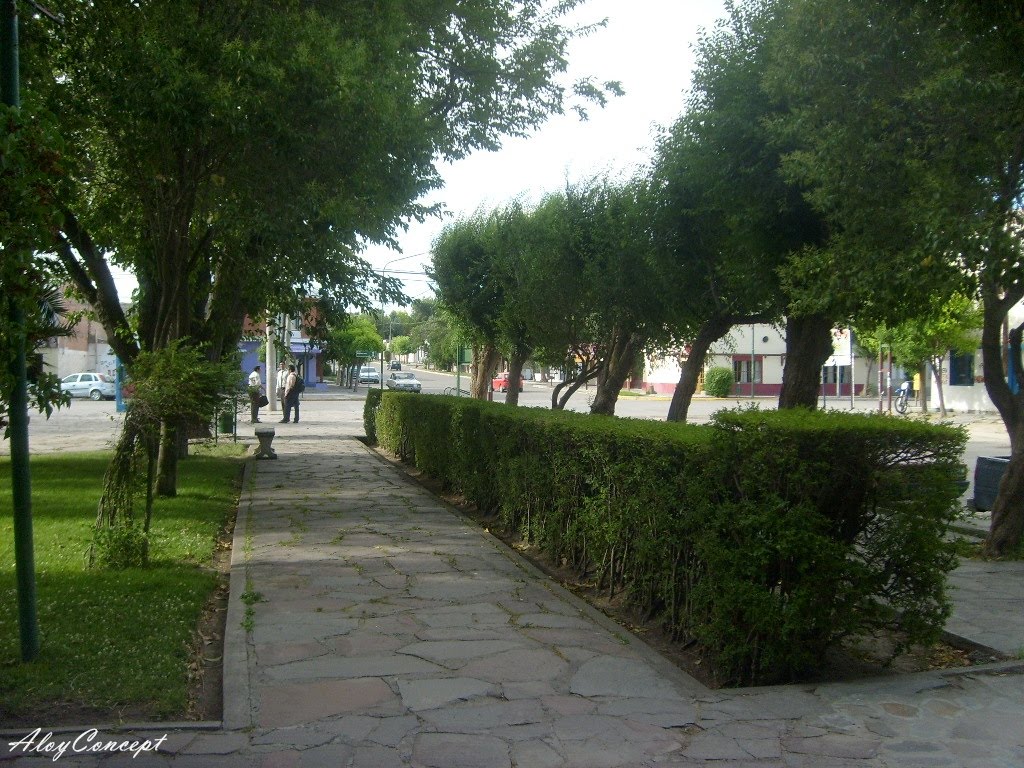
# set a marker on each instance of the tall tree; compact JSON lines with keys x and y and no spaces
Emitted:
{"x":728,"y":221}
{"x":623,"y":293}
{"x":582,"y":288}
{"x":234,"y":154}
{"x":908,"y":121}
{"x":357,"y":334}
{"x":465,"y":270}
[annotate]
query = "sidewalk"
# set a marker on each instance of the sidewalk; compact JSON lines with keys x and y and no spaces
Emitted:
{"x":378,"y":628}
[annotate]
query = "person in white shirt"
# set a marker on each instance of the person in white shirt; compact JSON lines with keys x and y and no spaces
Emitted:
{"x":255,"y":392}
{"x":282,"y":379}
{"x":291,"y":395}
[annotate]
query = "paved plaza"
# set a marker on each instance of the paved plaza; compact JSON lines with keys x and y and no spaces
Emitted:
{"x":371,"y":625}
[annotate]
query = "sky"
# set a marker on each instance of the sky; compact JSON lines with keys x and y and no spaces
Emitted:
{"x":648,"y":46}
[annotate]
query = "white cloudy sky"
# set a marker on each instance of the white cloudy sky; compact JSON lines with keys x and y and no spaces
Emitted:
{"x":648,"y":46}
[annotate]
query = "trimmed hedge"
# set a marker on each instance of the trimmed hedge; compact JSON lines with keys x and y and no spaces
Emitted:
{"x":766,"y":536}
{"x":370,"y":407}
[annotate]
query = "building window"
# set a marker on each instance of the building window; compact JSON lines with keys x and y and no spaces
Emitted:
{"x":961,"y":369}
{"x":835,"y":374}
{"x":741,"y":370}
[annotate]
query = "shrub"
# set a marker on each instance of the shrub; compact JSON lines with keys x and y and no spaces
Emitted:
{"x":718,"y":382}
{"x":768,"y":537}
{"x":370,"y":414}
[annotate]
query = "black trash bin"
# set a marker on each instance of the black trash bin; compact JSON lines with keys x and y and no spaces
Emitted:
{"x":988,"y":473}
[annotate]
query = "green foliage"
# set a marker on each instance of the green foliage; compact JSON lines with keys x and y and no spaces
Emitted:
{"x":767,"y":537}
{"x":357,"y":334}
{"x":111,"y":639}
{"x":121,"y":546}
{"x":32,"y":164}
{"x":179,"y":383}
{"x":370,"y":408}
{"x":402,"y":345}
{"x":718,"y":382}
{"x":434,"y":330}
{"x":31,"y":169}
{"x":170,"y":105}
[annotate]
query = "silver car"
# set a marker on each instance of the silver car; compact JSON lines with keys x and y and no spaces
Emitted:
{"x":95,"y":386}
{"x":406,"y":382}
{"x":369,"y":375}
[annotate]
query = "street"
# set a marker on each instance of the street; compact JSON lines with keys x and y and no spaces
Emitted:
{"x":87,"y":425}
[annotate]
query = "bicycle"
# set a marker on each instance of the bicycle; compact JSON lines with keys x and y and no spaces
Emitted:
{"x":902,"y":395}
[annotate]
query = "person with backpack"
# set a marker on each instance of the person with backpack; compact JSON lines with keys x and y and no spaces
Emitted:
{"x":293,"y":387}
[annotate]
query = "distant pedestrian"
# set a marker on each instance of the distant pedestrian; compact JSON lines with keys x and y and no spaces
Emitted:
{"x":282,"y":378}
{"x":255,"y":394}
{"x":291,"y":395}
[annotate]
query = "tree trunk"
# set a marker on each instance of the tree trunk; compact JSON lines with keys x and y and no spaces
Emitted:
{"x":485,"y":358}
{"x":711,"y":331}
{"x":167,"y":463}
{"x":922,"y":374}
{"x":1007,"y":525}
{"x":515,"y":371}
{"x":615,"y":371}
{"x":808,"y":345}
{"x":937,"y":375}
{"x":562,"y":392}
{"x":870,"y":380}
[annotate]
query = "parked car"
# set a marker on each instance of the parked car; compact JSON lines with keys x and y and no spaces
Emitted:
{"x":369,"y":375}
{"x":500,"y":382}
{"x":405,"y":382}
{"x":95,"y":386}
{"x":395,"y":365}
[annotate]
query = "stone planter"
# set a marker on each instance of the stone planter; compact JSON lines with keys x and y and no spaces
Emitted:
{"x":988,"y":473}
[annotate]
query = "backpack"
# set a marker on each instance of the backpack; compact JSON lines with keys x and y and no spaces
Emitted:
{"x":300,"y":385}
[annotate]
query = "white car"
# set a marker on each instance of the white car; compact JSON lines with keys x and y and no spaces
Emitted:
{"x":369,"y":375}
{"x":405,"y":382}
{"x":95,"y":386}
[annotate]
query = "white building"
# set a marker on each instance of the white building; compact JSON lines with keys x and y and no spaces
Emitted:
{"x":757,"y":355}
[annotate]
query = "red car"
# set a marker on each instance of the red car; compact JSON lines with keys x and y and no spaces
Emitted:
{"x":500,"y":382}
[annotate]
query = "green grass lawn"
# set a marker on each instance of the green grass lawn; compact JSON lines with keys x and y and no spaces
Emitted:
{"x":110,"y":640}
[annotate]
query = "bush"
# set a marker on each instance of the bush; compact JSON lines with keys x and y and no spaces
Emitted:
{"x":370,"y":414}
{"x":718,"y":382}
{"x":768,"y":537}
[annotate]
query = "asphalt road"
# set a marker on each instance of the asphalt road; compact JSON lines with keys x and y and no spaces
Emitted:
{"x":87,"y":425}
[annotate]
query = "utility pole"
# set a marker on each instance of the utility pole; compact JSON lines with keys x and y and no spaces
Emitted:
{"x":21,"y":479}
{"x":271,"y":362}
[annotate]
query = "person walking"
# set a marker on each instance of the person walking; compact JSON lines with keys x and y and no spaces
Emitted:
{"x":255,"y":394}
{"x":291,"y":395}
{"x":282,"y":378}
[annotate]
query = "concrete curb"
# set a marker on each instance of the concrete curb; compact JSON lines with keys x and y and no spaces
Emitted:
{"x":237,"y":705}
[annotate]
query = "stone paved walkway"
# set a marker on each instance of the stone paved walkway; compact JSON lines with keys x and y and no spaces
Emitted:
{"x":371,"y":626}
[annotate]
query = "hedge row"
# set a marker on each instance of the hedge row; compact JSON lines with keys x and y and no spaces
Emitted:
{"x":767,"y":536}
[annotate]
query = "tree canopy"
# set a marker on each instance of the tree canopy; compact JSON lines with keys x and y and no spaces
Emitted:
{"x":906,"y":124}
{"x":237,"y":155}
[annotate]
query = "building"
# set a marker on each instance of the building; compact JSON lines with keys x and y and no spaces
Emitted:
{"x":86,"y":350}
{"x":302,"y":352}
{"x":756,"y":354}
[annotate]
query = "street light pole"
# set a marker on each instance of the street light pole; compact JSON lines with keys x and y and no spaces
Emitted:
{"x":382,"y":271}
